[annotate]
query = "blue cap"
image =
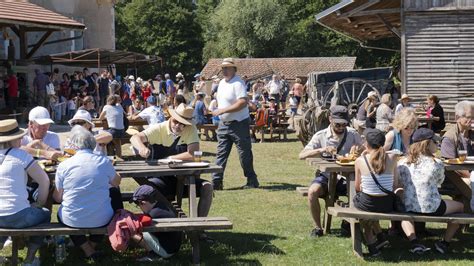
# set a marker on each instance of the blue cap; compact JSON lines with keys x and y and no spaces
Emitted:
{"x":424,"y":134}
{"x":151,"y":99}
{"x":144,"y":192}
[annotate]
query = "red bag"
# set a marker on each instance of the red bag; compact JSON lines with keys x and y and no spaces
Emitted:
{"x":123,"y":226}
{"x":144,"y":219}
{"x":261,"y":118}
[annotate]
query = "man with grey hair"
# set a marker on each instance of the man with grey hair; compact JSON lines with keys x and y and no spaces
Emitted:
{"x":457,"y":139}
{"x":274,"y":88}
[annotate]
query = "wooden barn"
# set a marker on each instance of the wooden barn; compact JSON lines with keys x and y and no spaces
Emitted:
{"x":436,"y":41}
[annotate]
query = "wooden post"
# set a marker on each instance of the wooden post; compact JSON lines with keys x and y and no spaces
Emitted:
{"x":14,"y":260}
{"x":23,"y":42}
{"x":330,"y":198}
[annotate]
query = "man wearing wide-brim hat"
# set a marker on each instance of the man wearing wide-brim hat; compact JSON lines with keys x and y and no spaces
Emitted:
{"x":39,"y":141}
{"x":178,"y":139}
{"x":234,"y":126}
{"x":404,"y":103}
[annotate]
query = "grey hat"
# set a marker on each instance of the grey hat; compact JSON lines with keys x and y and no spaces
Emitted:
{"x":424,"y":134}
{"x":144,"y":192}
{"x":339,"y":114}
{"x":375,"y":137}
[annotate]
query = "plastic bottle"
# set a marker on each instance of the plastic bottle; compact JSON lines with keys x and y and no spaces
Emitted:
{"x":60,"y":249}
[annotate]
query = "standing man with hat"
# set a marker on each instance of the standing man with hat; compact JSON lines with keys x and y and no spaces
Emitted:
{"x":234,"y":124}
{"x":337,"y":139}
{"x":404,"y":103}
{"x":176,"y":138}
{"x":39,"y":141}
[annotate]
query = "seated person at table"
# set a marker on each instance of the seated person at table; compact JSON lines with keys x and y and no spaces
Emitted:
{"x":404,"y":124}
{"x":15,"y":167}
{"x":370,"y":197}
{"x":39,"y":141}
{"x":114,"y":114}
{"x":435,"y":111}
{"x":153,"y":114}
{"x":420,"y":174}
{"x":88,"y":105}
{"x":155,"y":205}
{"x":336,"y":138}
{"x":457,"y":137}
{"x":82,"y":188}
{"x":176,"y":138}
{"x":102,"y":137}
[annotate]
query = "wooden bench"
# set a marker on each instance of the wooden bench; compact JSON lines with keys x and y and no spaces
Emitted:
{"x":115,"y":146}
{"x":209,"y":127}
{"x":354,"y":216}
{"x":191,"y":225}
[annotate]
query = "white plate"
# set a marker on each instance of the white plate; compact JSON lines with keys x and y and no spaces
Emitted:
{"x":167,"y":161}
{"x":195,"y":164}
{"x":397,"y":152}
{"x":470,"y":158}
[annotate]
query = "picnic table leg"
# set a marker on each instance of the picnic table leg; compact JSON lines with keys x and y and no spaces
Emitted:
{"x":330,"y":202}
{"x":194,"y":237}
{"x":192,"y":197}
{"x":356,"y":238}
{"x":14,"y":260}
{"x":179,"y":190}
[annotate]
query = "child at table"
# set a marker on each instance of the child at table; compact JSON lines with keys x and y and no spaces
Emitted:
{"x":374,"y":178}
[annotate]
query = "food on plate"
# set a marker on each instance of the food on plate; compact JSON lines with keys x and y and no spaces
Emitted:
{"x":454,"y":161}
{"x":70,"y":151}
{"x":46,"y":162}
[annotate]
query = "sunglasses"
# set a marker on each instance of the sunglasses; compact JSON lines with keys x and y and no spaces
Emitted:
{"x":340,"y":125}
{"x":80,"y":123}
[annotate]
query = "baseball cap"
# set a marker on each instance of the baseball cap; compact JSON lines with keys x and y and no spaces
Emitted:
{"x":144,"y":192}
{"x":339,"y":114}
{"x":424,"y":134}
{"x":151,"y":99}
{"x":40,"y":115}
{"x":81,"y":115}
{"x":375,"y":137}
{"x":372,"y":94}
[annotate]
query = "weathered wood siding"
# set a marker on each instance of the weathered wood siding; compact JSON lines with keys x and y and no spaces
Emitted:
{"x":425,"y":5}
{"x":439,"y":50}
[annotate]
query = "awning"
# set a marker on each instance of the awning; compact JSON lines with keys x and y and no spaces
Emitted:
{"x":34,"y":17}
{"x":97,"y":58}
{"x":363,"y":20}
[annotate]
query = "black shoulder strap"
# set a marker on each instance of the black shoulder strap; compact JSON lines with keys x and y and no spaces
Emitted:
{"x":343,"y":141}
{"x":384,"y":190}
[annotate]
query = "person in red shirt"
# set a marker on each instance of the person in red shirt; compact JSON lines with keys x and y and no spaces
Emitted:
{"x":12,"y":84}
{"x":146,"y":90}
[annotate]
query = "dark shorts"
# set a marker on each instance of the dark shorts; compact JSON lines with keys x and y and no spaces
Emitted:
{"x":370,"y":203}
{"x":439,"y":212}
{"x":341,"y":185}
{"x":167,"y":186}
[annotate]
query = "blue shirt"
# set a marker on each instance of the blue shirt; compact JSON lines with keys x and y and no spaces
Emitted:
{"x":198,"y":114}
{"x":85,"y":178}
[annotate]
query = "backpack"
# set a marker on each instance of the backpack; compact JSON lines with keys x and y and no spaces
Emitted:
{"x":123,"y":226}
{"x":261,"y":118}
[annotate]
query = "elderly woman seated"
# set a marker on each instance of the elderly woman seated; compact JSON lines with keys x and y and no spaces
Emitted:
{"x":15,"y":167}
{"x":82,"y":188}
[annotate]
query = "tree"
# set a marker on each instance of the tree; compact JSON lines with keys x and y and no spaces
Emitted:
{"x":165,"y":28}
{"x":246,"y":28}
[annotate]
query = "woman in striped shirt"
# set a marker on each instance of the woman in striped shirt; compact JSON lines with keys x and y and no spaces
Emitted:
{"x":374,"y":163}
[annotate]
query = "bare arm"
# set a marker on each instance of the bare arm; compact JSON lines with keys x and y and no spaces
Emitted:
{"x":188,"y":155}
{"x":58,"y":195}
{"x":357,"y":176}
{"x":115,"y":182}
{"x":103,"y":137}
{"x":237,"y":106}
{"x":138,"y":141}
{"x":102,"y":115}
{"x":388,"y":141}
{"x":304,"y":154}
{"x":40,"y":177}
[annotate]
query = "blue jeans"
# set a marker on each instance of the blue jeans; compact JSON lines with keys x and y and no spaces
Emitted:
{"x":28,"y":217}
{"x":238,"y":133}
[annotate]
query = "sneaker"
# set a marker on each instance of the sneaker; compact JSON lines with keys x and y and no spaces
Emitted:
{"x":8,"y":242}
{"x":419,"y":249}
{"x":316,"y":232}
{"x":442,"y":246}
{"x":382,"y":241}
{"x":217,"y":185}
{"x":149,"y":257}
{"x":373,"y":250}
{"x":250,"y":186}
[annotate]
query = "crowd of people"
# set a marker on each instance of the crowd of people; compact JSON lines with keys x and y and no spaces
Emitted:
{"x":400,"y":163}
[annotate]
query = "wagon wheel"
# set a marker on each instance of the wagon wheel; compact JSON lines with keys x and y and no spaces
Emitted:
{"x":352,"y":92}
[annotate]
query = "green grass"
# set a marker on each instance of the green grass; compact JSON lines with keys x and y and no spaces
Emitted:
{"x":272,"y":224}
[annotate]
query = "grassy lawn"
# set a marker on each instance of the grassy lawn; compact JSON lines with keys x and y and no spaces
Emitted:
{"x":272,"y":224}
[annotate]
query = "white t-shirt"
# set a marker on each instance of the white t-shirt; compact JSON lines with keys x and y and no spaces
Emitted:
{"x":152,"y":114}
{"x":293,"y":102}
{"x":13,"y":179}
{"x":71,"y":105}
{"x":274,"y":86}
{"x":212,"y":105}
{"x":51,"y":139}
{"x":114,"y":115}
{"x":228,"y":93}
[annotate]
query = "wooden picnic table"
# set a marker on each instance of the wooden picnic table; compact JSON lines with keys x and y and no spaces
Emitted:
{"x":428,"y":120}
{"x":131,"y":123}
{"x":348,"y":171}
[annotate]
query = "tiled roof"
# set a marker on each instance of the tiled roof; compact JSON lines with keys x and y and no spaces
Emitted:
{"x":290,"y":67}
{"x":30,"y":15}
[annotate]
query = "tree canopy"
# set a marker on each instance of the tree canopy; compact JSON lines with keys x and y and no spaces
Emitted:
{"x":187,"y":33}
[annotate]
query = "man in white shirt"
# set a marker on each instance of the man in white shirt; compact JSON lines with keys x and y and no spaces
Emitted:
{"x":39,"y":141}
{"x":153,"y":114}
{"x":274,"y":87}
{"x":234,"y":125}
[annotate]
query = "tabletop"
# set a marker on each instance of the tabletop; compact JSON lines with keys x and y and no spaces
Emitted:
{"x":103,"y":123}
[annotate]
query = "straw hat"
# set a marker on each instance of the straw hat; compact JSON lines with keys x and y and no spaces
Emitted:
{"x":228,"y":62}
{"x":183,"y":114}
{"x":405,"y":96}
{"x":9,"y":130}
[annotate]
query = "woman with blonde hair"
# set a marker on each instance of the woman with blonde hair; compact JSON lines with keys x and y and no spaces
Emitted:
{"x":420,"y":174}
{"x":375,"y":179}
{"x":404,"y":124}
{"x":384,"y":115}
